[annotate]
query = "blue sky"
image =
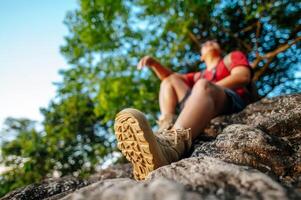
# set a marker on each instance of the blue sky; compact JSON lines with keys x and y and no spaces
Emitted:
{"x":30,"y":36}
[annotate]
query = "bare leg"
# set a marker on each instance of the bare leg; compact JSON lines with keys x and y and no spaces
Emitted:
{"x":172,"y":90}
{"x":206,"y":101}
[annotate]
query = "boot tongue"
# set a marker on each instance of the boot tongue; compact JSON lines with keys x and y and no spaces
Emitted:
{"x":177,"y":137}
{"x":174,"y":143}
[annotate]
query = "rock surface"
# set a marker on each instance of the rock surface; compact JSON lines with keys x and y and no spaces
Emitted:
{"x":254,"y":154}
{"x":53,"y":189}
{"x":216,"y":179}
{"x":266,"y":136}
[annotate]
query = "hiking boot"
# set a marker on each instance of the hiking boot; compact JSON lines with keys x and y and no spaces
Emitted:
{"x":144,"y":149}
{"x":166,"y":122}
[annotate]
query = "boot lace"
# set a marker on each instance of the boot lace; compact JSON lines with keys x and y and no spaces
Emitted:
{"x":176,"y":135}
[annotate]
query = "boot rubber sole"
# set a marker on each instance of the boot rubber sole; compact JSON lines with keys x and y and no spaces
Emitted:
{"x":137,"y":142}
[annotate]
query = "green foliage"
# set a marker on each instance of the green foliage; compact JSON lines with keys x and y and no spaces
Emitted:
{"x":105,"y":42}
{"x":25,"y":155}
{"x":173,"y":30}
{"x":72,"y":141}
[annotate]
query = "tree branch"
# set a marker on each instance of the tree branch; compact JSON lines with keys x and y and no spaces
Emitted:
{"x":247,"y":46}
{"x":194,"y":39}
{"x":262,"y":70}
{"x":248,"y":28}
{"x":273,"y":53}
{"x":282,"y":48}
{"x":258,"y":28}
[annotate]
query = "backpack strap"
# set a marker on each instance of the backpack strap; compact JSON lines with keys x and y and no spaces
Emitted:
{"x":228,"y":60}
{"x":251,"y":90}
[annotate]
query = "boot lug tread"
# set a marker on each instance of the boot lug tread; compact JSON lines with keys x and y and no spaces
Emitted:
{"x":133,"y":145}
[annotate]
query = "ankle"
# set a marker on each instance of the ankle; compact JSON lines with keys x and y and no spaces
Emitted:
{"x":166,"y":116}
{"x":178,"y":126}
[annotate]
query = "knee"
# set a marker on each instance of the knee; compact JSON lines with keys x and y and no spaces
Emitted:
{"x":169,"y":81}
{"x":202,"y":87}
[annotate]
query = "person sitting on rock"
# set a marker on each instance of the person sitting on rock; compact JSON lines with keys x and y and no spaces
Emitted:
{"x":199,"y":97}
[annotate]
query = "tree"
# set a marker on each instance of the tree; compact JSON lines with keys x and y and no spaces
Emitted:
{"x":75,"y":142}
{"x":71,"y":142}
{"x":110,"y":40}
{"x":25,"y":155}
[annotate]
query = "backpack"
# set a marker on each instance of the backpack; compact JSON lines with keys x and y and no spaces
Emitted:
{"x":252,"y":93}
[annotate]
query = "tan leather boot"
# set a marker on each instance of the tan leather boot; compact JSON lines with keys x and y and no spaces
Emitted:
{"x":166,"y":122}
{"x":148,"y":151}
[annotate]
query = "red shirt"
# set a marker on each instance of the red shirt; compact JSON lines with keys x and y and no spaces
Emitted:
{"x":237,"y":59}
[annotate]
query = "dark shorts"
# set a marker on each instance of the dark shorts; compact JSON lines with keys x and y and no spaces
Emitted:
{"x":234,"y":102}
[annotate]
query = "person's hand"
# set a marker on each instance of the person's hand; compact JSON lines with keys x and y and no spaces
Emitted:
{"x":146,"y":61}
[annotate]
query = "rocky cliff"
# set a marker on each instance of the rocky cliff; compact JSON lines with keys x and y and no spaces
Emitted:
{"x":254,"y":154}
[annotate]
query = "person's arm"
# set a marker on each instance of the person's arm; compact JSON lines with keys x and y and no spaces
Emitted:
{"x":240,"y":77}
{"x":161,"y":71}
